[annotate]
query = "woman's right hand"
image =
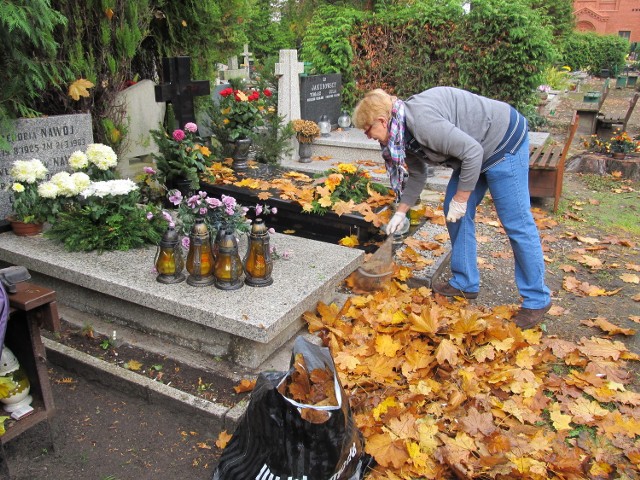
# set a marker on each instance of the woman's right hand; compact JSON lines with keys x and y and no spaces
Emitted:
{"x":396,"y":222}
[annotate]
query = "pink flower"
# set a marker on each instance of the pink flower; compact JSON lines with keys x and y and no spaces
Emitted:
{"x":229,"y":202}
{"x":193,"y":201}
{"x":274,"y":210}
{"x":213,"y":202}
{"x":167,"y":216}
{"x":178,"y":135}
{"x":272,"y":230}
{"x":175,"y":197}
{"x":229,"y":211}
{"x":149,"y":171}
{"x":258,"y":209}
{"x":149,"y":215}
{"x":191,"y":127}
{"x":203,"y":210}
{"x":185,"y":243}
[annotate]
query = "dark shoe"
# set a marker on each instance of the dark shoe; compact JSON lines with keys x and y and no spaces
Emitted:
{"x":449,"y":291}
{"x":530,"y":317}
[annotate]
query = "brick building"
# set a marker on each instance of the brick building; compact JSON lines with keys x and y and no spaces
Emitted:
{"x":609,"y":17}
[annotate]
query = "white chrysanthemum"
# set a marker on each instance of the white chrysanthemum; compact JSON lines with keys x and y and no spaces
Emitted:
{"x":28,"y":171}
{"x":48,"y":190}
{"x":65,"y":184}
{"x":81,"y":181}
{"x":102,"y":156}
{"x":110,"y":187}
{"x":17,"y":187}
{"x":78,"y":160}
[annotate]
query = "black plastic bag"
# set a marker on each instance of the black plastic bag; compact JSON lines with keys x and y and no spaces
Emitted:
{"x":273,"y":441}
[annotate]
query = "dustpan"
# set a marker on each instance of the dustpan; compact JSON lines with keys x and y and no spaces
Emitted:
{"x":374,"y":272}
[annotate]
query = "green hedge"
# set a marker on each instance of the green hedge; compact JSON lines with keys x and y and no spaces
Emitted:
{"x":592,"y":52}
{"x":499,"y":49}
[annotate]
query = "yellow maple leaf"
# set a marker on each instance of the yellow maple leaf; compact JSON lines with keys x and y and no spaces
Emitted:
{"x":133,"y":365}
{"x":223,"y":439}
{"x":350,"y":241}
{"x":245,"y":385}
{"x":447,"y":352}
{"x":79,"y":88}
{"x":264,"y":195}
{"x":386,"y":345}
{"x":383,"y":407}
{"x":559,"y":420}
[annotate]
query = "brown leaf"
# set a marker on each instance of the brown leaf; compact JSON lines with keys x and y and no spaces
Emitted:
{"x":608,"y":327}
{"x":245,"y":386}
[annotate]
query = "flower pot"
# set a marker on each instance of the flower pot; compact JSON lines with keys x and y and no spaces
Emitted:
{"x":304,"y":151}
{"x":240,"y":153}
{"x":618,"y":155}
{"x":25,"y":229}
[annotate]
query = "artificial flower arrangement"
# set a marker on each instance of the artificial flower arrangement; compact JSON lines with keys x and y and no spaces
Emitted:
{"x":92,"y":210}
{"x":620,"y":142}
{"x":28,"y":205}
{"x":346,"y":182}
{"x":224,"y":213}
{"x":306,"y":130}
{"x":183,"y":155}
{"x":241,"y":111}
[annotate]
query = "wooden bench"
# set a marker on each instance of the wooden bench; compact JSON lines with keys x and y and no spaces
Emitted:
{"x":608,"y":121}
{"x":588,"y":112}
{"x":29,"y":307}
{"x":546,"y":167}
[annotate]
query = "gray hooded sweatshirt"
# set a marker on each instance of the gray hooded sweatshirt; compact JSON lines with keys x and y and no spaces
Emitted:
{"x":455,"y":128}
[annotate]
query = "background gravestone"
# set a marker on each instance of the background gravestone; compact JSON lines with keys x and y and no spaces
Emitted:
{"x":321,"y":95}
{"x":49,"y":139}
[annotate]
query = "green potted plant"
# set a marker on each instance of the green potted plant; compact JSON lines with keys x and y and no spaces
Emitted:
{"x":30,"y":209}
{"x":183,"y":157}
{"x":621,"y":144}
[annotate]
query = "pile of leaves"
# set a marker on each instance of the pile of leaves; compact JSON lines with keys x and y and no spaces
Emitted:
{"x":343,"y":190}
{"x":443,"y":389}
{"x":315,"y":387}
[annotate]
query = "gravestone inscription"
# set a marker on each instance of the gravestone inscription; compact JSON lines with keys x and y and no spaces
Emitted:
{"x":49,"y":139}
{"x":321,"y":95}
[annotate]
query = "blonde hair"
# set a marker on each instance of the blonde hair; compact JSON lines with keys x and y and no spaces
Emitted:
{"x":376,"y":103}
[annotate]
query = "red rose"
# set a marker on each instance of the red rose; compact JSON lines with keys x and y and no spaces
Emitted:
{"x":226,"y":92}
{"x":267,"y":92}
{"x":254,"y":96}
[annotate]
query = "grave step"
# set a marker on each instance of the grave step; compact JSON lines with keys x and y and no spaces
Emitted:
{"x":244,"y":326}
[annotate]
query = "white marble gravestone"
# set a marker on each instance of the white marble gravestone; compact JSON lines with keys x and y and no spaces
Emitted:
{"x":288,"y":71}
{"x":49,"y":139}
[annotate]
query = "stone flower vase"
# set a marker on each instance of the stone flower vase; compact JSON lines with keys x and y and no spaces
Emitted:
{"x":22,"y":229}
{"x":618,"y":155}
{"x":240,"y":153}
{"x":304,"y":151}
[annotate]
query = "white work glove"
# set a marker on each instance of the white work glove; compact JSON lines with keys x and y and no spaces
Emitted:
{"x":456,"y":211}
{"x":396,"y":222}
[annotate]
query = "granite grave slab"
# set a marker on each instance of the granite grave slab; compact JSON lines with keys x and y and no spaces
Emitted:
{"x":244,"y":326}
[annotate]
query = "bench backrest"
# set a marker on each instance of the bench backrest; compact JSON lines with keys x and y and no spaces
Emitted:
{"x":632,"y":105}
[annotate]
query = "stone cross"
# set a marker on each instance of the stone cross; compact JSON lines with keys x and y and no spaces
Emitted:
{"x":179,"y":89}
{"x":233,"y":63}
{"x":288,"y":71}
{"x":247,"y":55}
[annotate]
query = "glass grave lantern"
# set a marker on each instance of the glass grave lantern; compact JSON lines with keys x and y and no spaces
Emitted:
{"x":325,"y":126}
{"x":200,"y":257}
{"x":344,"y":120}
{"x":169,"y":261}
{"x":228,"y":266}
{"x":258,"y":263}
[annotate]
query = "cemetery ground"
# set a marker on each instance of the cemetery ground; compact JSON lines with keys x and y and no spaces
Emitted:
{"x":592,"y":252}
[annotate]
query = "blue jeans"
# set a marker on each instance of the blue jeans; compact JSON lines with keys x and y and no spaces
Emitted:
{"x":508,"y":183}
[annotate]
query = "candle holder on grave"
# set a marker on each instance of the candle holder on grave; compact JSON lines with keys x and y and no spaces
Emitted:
{"x":200,"y":257}
{"x":325,"y":126}
{"x":258,"y":263}
{"x":169,"y":262}
{"x":228,"y":266}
